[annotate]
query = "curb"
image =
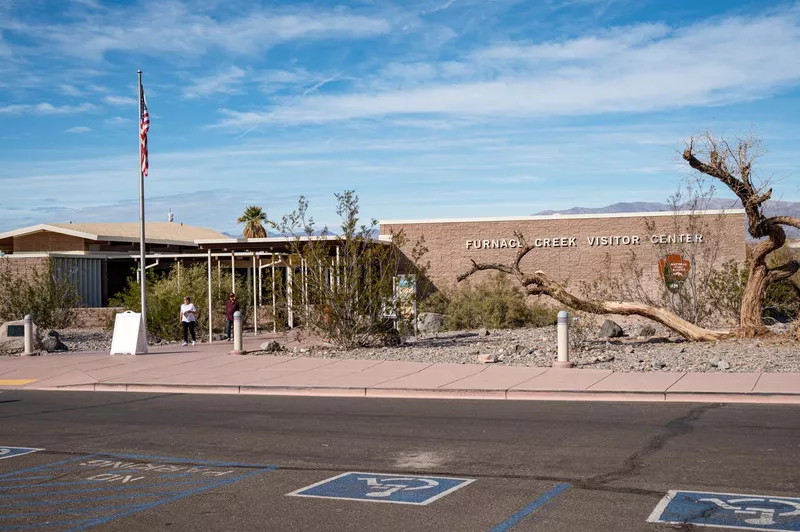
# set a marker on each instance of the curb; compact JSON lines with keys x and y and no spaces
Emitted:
{"x":414,"y":393}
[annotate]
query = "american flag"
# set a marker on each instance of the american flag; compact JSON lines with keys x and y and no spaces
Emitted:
{"x":144,"y":127}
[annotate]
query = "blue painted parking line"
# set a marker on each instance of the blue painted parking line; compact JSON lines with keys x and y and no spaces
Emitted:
{"x":380,"y":487}
{"x":10,"y":452}
{"x":127,"y":483}
{"x":514,"y":520}
{"x":729,"y":510}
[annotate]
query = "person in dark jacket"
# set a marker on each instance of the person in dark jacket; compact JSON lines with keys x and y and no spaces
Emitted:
{"x":231,"y":306}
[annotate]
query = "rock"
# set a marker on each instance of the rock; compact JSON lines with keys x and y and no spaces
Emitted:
{"x":392,"y":339}
{"x":629,"y":350}
{"x":430,"y":323}
{"x":484,"y":332}
{"x":657,"y":364}
{"x":488,"y":358}
{"x":723,"y":365}
{"x":713,"y":363}
{"x":604,"y":358}
{"x":538,"y":353}
{"x":611,"y":329}
{"x":219,"y":338}
{"x":271,"y":347}
{"x":682,"y":350}
{"x":658,"y":340}
{"x":501,"y":358}
{"x":51,"y":341}
{"x":520,"y":349}
{"x":646,"y":331}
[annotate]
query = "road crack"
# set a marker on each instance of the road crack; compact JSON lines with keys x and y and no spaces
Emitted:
{"x":675,"y":428}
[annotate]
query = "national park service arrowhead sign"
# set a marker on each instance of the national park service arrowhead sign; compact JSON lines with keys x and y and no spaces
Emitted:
{"x":674,"y":270}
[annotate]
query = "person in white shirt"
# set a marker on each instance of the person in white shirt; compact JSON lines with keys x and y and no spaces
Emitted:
{"x":188,"y":320}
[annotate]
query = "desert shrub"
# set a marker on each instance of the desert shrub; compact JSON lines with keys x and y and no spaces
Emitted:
{"x":49,"y":298}
{"x":348,"y":278}
{"x":165,"y":294}
{"x":725,"y":289}
{"x":495,"y":303}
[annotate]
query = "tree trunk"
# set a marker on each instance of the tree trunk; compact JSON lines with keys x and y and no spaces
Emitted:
{"x":751,"y":323}
{"x":666,"y":318}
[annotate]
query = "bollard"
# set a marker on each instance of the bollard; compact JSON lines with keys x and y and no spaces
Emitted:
{"x":563,"y":341}
{"x":28,"y":331}
{"x":237,"y":334}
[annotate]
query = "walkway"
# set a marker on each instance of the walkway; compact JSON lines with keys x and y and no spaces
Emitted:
{"x":208,"y":368}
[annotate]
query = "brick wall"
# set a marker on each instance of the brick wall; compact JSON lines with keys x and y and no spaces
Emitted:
{"x":565,"y":250}
{"x":47,"y":241}
{"x":23,"y":267}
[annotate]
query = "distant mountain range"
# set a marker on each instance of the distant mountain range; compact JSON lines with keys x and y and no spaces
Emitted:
{"x":773,"y":208}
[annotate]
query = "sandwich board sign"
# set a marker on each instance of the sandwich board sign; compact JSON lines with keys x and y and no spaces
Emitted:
{"x":129,"y":335}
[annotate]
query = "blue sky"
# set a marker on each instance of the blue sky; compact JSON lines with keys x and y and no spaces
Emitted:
{"x":443,"y":108}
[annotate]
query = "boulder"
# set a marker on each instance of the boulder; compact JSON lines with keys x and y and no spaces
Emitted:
{"x":488,"y":358}
{"x":646,"y":331}
{"x":271,"y":347}
{"x":430,"y":322}
{"x":51,"y":341}
{"x":611,"y":329}
{"x":392,"y":339}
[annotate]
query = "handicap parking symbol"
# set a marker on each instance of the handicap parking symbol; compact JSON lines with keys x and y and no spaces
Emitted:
{"x":729,"y":510}
{"x":8,"y":452}
{"x":379,"y":487}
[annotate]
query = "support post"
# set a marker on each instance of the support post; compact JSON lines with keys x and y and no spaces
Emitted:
{"x":237,"y":334}
{"x":27,"y":325}
{"x":255,"y":298}
{"x":563,"y":341}
{"x":260,"y":287}
{"x":210,"y":323}
{"x":233,"y":272}
{"x":274,"y":309}
{"x":289,"y":297}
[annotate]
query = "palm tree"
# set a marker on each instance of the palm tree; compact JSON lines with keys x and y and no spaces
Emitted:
{"x":252,"y":217}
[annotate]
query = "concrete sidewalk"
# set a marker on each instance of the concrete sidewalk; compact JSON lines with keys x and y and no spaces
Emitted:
{"x":208,"y":368}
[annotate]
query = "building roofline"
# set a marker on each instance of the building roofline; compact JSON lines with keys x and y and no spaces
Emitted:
{"x":563,"y":217}
{"x":24,"y":231}
{"x":47,"y":227}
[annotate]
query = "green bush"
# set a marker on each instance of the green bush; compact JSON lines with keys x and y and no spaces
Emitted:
{"x":49,"y":298}
{"x":494,"y":303}
{"x":165,"y":294}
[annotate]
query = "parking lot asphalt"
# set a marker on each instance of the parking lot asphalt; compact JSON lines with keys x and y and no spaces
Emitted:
{"x":107,"y":461}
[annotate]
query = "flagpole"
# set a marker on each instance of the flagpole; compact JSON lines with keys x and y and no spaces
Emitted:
{"x":142,"y":275}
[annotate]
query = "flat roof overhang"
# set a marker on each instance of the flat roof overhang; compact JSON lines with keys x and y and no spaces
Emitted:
{"x":276,"y":244}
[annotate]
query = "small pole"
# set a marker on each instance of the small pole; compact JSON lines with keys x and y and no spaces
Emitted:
{"x":28,"y":331}
{"x":237,"y":334}
{"x":563,"y":341}
{"x":233,"y":272}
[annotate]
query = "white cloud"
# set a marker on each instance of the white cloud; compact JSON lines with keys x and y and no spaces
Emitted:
{"x":46,"y":109}
{"x":637,"y":69}
{"x":176,"y":27}
{"x":78,"y":129}
{"x":118,"y":121}
{"x":120,"y":100}
{"x":223,"y":82}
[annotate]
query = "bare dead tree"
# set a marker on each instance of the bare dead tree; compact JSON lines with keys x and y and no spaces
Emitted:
{"x":539,"y":283}
{"x":732,"y":164}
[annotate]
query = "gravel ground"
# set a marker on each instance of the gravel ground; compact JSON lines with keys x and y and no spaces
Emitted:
{"x":537,"y":347}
